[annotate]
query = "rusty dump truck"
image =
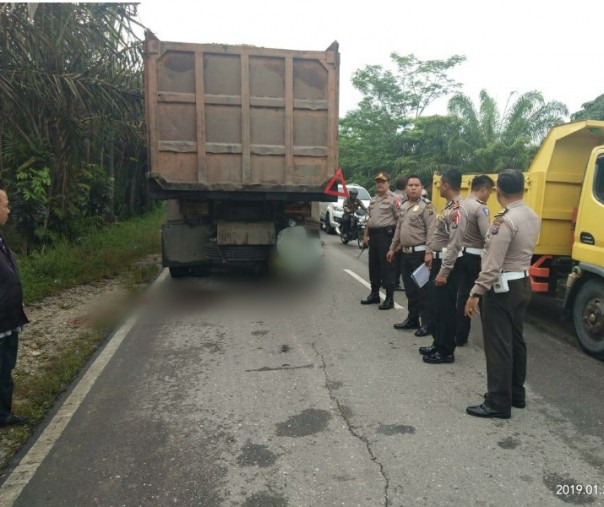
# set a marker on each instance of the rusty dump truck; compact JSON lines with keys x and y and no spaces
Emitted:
{"x":242,"y":141}
{"x":564,"y":185}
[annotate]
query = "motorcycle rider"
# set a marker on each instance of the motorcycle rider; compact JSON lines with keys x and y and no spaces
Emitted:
{"x":350,"y":205}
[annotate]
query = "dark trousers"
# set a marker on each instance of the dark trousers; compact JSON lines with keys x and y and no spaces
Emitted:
{"x":345,"y":227}
{"x":381,"y":272}
{"x":8,"y":359}
{"x":468,"y":269}
{"x":398,"y":269}
{"x":417,"y":298}
{"x":444,"y":299}
{"x":504,"y":345}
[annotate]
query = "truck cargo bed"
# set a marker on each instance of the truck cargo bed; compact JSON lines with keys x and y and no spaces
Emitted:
{"x":552,"y":183}
{"x":241,"y":119}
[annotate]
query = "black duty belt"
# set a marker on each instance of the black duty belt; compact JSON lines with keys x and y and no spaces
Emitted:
{"x":382,"y":230}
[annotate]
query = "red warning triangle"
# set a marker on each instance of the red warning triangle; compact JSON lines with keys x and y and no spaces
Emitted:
{"x":337,"y":177}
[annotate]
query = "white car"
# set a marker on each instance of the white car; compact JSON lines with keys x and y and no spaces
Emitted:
{"x":331,"y":212}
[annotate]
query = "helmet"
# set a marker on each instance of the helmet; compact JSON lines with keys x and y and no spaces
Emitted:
{"x":353,"y":191}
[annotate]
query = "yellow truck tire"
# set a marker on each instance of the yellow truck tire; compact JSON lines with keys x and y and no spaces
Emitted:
{"x":588,"y":317}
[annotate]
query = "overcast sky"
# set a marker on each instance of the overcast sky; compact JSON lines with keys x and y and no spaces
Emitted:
{"x":510,"y":46}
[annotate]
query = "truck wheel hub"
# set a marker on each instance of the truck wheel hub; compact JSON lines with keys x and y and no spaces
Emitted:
{"x":593,"y":316}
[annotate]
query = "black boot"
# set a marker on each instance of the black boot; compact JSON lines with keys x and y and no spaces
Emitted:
{"x":408,"y":323}
{"x":389,"y":301}
{"x":424,"y":330}
{"x":372,"y":299}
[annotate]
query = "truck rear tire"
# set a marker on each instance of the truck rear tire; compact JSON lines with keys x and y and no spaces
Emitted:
{"x":328,"y":228}
{"x":179,"y":271}
{"x":588,"y":317}
{"x":200,"y":271}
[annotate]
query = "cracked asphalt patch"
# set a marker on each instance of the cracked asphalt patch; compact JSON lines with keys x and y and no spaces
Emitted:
{"x":346,"y":413}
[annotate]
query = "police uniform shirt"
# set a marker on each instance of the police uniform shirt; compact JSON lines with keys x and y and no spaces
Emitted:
{"x":402,"y":195}
{"x":478,"y":222}
{"x":510,"y":244}
{"x":383,"y":211}
{"x":415,"y":224}
{"x":449,"y":230}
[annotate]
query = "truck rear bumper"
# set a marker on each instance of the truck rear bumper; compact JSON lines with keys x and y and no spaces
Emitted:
{"x":162,"y":189}
{"x":236,"y":244}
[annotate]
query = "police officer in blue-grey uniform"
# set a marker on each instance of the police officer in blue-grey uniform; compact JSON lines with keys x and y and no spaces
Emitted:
{"x":505,"y":289}
{"x":381,"y":224}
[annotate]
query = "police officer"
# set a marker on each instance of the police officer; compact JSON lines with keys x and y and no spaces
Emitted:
{"x":445,"y":244}
{"x":383,"y":217}
{"x":415,"y":224}
{"x":400,"y":186}
{"x":505,"y":289}
{"x":468,"y":265}
{"x":350,"y":205}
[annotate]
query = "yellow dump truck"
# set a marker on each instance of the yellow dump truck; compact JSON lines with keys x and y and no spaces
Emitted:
{"x":565,"y":186}
{"x":242,"y":141}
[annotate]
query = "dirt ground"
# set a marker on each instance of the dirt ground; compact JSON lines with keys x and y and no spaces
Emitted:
{"x":58,"y":320}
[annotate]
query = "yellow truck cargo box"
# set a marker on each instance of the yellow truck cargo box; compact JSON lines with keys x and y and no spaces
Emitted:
{"x":552,"y":183}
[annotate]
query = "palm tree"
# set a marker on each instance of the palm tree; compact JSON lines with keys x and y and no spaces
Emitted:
{"x":488,"y":140}
{"x":70,"y":88}
{"x":592,"y":110}
{"x":381,"y":133}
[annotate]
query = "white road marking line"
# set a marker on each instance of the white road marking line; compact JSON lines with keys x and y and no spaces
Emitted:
{"x":368,"y":285}
{"x":25,"y":470}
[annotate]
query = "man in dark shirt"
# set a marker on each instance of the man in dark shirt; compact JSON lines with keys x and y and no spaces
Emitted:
{"x":12,"y":320}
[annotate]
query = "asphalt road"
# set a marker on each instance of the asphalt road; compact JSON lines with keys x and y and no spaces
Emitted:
{"x":233,"y":390}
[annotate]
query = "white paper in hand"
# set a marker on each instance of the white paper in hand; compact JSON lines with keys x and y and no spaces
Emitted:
{"x":421,"y":275}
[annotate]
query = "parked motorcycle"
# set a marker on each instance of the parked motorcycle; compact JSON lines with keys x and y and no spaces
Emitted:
{"x":356,"y":231}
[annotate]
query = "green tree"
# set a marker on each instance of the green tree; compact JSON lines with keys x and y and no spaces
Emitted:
{"x":70,"y":93}
{"x":425,"y":147}
{"x":593,"y":110}
{"x":370,"y":135}
{"x":488,"y":140}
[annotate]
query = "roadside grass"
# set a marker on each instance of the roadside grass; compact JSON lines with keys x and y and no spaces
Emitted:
{"x":35,"y":394}
{"x":120,"y":249}
{"x":104,"y":254}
